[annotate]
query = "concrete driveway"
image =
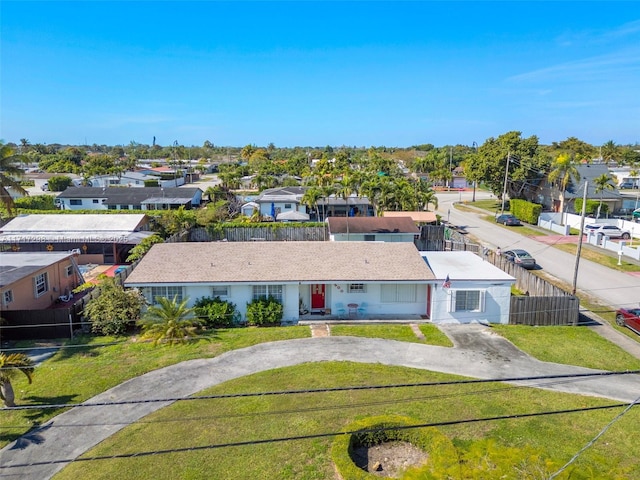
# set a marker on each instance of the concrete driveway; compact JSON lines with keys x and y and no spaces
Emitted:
{"x":478,"y":353}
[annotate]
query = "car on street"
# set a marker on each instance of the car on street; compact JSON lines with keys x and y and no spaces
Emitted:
{"x":627,"y":185}
{"x":508,"y":219}
{"x":521,"y":257}
{"x":608,"y":230}
{"x":629,"y":318}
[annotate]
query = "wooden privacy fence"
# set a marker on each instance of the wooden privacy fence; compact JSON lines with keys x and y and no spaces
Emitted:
{"x":544,"y":310}
{"x":265,"y":233}
{"x":34,"y":324}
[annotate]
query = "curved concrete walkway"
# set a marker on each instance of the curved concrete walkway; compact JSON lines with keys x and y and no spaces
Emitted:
{"x":478,"y":353}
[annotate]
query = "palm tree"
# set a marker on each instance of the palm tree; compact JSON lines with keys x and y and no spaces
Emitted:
{"x":563,"y":171}
{"x":602,"y":183}
{"x":10,"y":365}
{"x":9,"y":175}
{"x":170,"y":321}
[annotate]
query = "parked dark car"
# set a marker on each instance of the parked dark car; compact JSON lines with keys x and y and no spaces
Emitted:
{"x":521,"y":257}
{"x":627,"y":185}
{"x":629,"y":318}
{"x":508,"y":219}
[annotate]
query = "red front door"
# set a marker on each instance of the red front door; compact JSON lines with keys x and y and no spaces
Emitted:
{"x":317,"y":296}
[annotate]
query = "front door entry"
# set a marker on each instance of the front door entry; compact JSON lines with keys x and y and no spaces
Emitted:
{"x":317,"y":296}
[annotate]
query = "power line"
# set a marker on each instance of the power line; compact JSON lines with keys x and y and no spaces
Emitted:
{"x":325,"y":390}
{"x":312,"y":436}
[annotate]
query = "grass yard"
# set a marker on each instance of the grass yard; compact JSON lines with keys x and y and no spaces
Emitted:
{"x":433,"y":335}
{"x":76,"y":374}
{"x":208,"y":425}
{"x":569,"y":346}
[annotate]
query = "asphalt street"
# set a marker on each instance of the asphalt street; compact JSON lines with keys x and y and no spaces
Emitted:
{"x":611,"y":287}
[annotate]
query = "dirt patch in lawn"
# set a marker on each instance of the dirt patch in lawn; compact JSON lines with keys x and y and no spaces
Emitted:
{"x":389,"y":459}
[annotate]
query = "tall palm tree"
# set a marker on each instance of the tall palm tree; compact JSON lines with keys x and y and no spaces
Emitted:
{"x":603,"y":182}
{"x":10,"y":175}
{"x":10,"y":365}
{"x":170,"y":321}
{"x":563,"y":171}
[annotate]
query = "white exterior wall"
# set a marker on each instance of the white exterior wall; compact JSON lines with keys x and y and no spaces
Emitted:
{"x":339,"y":293}
{"x":497,"y":300}
{"x":265,"y":207}
{"x":85,"y":204}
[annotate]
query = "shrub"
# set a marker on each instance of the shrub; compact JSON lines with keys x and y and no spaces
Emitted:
{"x":525,"y":211}
{"x":215,"y":312}
{"x":592,"y":207}
{"x":114,"y":309}
{"x":37,"y":202}
{"x":264,"y":312}
{"x":59,"y":183}
{"x":139,"y":251}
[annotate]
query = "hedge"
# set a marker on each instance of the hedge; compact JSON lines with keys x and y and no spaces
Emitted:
{"x":525,"y":211}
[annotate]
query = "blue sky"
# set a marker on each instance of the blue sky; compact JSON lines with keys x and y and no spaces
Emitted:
{"x":304,"y":73}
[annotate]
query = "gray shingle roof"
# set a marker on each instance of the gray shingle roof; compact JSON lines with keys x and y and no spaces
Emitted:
{"x":15,"y":266}
{"x":228,"y":262}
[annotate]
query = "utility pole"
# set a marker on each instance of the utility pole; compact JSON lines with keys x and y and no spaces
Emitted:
{"x":450,"y":166}
{"x":506,"y":176}
{"x":584,"y":211}
{"x":475,"y":146}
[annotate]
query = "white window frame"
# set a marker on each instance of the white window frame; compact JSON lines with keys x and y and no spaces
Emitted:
{"x":68,"y":270}
{"x":40,"y":284}
{"x":453,"y":300}
{"x":166,"y":291}
{"x":398,"y":293}
{"x":265,"y":291}
{"x":7,"y":297}
{"x":75,"y":201}
{"x":217,"y":291}
{"x":357,"y":288}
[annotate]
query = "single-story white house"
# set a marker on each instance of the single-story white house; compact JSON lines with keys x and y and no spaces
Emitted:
{"x":357,"y":280}
{"x":469,"y":289}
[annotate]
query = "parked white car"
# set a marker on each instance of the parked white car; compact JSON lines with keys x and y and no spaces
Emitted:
{"x":609,"y":230}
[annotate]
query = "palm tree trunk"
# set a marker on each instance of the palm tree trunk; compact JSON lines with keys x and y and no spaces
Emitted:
{"x":7,"y":394}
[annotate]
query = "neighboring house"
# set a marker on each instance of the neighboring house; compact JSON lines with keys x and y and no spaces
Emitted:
{"x":549,"y":195}
{"x":102,"y":239}
{"x":419,"y":217}
{"x":357,"y":280}
{"x":148,"y":198}
{"x":172,"y":177}
{"x":126,"y":179}
{"x":476,"y":290}
{"x":352,"y":206}
{"x":35,"y":281}
{"x":372,"y":229}
{"x":274,"y":201}
{"x":458,"y":179}
{"x":326,"y":277}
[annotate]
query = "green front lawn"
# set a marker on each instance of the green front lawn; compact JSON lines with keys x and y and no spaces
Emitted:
{"x":209,"y":425}
{"x":403,"y":333}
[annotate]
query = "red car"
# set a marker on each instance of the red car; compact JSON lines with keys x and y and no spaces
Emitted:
{"x":629,"y":318}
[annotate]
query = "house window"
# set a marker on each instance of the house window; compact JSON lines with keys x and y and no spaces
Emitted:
{"x":166,"y":292}
{"x":357,"y":288}
{"x":391,"y":293}
{"x":69,"y":270}
{"x":369,"y":238}
{"x":95,"y":200}
{"x":264,"y":291}
{"x":220,"y":291}
{"x":287,"y":206}
{"x":112,"y":207}
{"x":7,"y":297}
{"x":467,"y":301}
{"x":75,"y":201}
{"x":41,"y":284}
